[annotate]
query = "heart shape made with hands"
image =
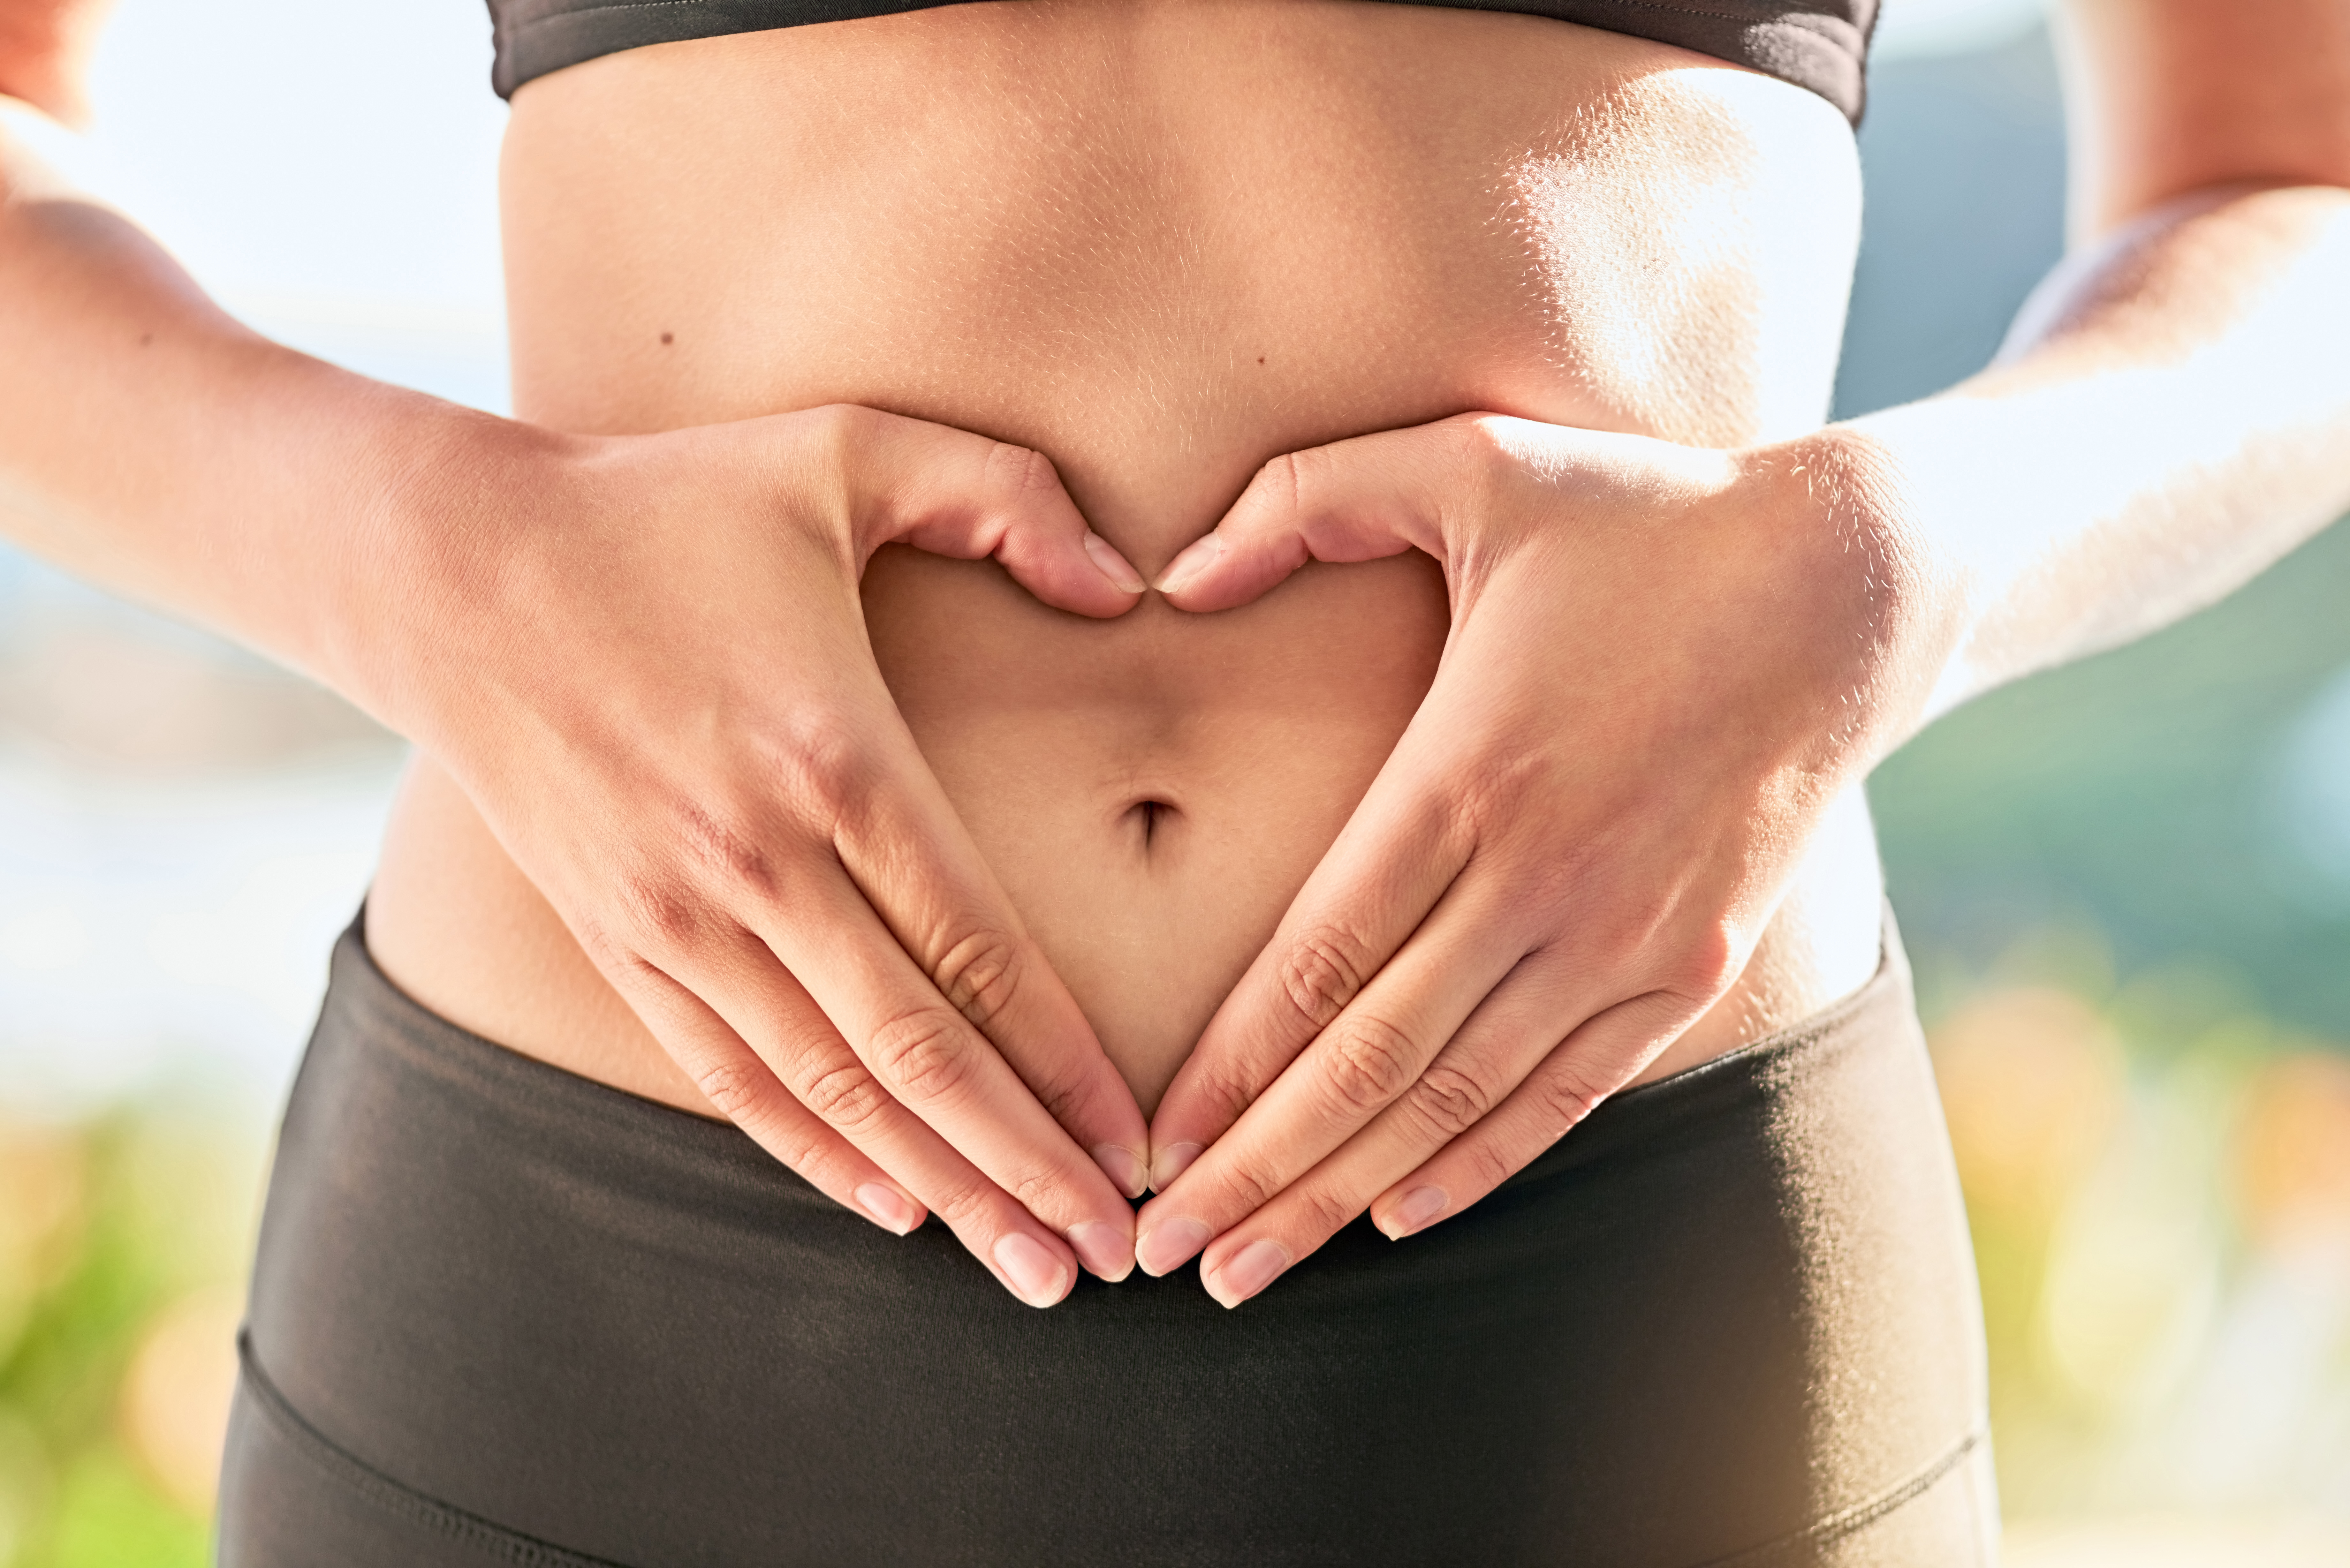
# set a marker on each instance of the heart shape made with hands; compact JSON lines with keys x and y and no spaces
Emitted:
{"x":1515,"y":923}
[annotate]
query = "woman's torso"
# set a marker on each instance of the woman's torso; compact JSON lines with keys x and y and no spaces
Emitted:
{"x":1160,"y":241}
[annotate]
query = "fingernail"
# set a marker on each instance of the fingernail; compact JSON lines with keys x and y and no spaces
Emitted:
{"x":1197,"y":557}
{"x":1171,"y":1162}
{"x":1038,"y":1277}
{"x":1123,"y":1166}
{"x":1113,"y":565}
{"x":1169,"y":1245}
{"x":1421,"y":1208}
{"x":1248,"y":1270}
{"x":893,"y":1212}
{"x":1103,"y":1248}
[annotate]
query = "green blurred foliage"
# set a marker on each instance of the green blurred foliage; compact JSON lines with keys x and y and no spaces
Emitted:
{"x":109,"y":1515}
{"x":109,"y":1232}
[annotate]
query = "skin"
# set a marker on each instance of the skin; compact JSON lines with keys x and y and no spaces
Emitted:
{"x":1552,"y":311}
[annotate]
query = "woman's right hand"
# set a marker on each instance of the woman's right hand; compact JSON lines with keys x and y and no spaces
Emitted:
{"x":645,"y":659}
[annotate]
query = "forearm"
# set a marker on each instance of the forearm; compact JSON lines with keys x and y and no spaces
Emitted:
{"x":2171,"y":415}
{"x":150,"y":443}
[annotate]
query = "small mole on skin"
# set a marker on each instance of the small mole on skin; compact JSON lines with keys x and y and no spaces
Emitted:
{"x":145,"y":339}
{"x":1260,"y":358}
{"x":669,"y":337}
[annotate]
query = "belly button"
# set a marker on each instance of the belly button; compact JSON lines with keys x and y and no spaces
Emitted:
{"x":1151,"y":816}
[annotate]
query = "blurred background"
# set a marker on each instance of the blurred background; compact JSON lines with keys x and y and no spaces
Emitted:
{"x":2126,"y":886}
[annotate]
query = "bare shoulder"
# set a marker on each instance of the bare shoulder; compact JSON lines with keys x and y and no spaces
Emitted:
{"x":44,"y":45}
{"x":2171,"y":96}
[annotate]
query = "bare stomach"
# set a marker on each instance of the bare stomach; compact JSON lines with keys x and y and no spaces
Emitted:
{"x":1160,"y":241}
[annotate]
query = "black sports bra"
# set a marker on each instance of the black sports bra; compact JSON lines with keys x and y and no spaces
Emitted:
{"x":1822,"y":45}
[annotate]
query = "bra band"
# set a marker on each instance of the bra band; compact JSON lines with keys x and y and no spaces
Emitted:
{"x":1819,"y":45}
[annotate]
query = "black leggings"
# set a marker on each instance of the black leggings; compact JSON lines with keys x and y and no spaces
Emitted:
{"x":503,"y":1314}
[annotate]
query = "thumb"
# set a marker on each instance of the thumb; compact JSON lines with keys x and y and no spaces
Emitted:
{"x":955,"y":493}
{"x":1354,"y":500}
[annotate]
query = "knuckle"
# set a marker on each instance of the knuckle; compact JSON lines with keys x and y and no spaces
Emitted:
{"x":1480,"y":440}
{"x":821,"y":765}
{"x":1063,"y":1094}
{"x":927,"y":1055}
{"x":731,"y":852}
{"x":661,"y":909}
{"x":1020,"y":471}
{"x":1488,"y":1166}
{"x":844,"y":1095}
{"x":833,"y":432}
{"x":1508,"y":787}
{"x":612,"y":955}
{"x":737,"y":1089}
{"x":846,"y":471}
{"x":1278,"y":494}
{"x":1704,"y":963}
{"x":825,"y":443}
{"x":1227,"y":1095}
{"x":1489,"y":450}
{"x":758,"y":1106}
{"x":1321,"y":973}
{"x":1566,"y":1095}
{"x":1449,"y":1101}
{"x":1468,"y":452}
{"x":1369,"y":1061}
{"x":1250,"y":1187}
{"x":1033,"y":1190}
{"x":805,"y":1151}
{"x":964,"y":1205}
{"x":1327,"y":1210}
{"x":1295,"y":478}
{"x":981,"y":973}
{"x":1485,"y":473}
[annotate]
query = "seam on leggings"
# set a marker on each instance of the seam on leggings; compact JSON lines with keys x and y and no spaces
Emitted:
{"x":507,"y":1545}
{"x":1859,"y":1516}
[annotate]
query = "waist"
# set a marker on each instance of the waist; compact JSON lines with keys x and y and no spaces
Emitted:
{"x":579,"y":1317}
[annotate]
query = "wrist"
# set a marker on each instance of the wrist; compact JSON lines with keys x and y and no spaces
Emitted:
{"x":445,"y":498}
{"x":1847,"y":536}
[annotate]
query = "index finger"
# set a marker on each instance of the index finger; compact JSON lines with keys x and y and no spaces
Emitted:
{"x":933,"y":1062}
{"x":1372,"y":1055}
{"x":916,"y":868}
{"x":895,"y":928}
{"x":1390,"y":865}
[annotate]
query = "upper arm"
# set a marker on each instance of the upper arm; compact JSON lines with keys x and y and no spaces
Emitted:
{"x":44,"y":45}
{"x":2165,"y":97}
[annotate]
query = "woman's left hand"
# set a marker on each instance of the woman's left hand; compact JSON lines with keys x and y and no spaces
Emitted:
{"x":1663,"y":664}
